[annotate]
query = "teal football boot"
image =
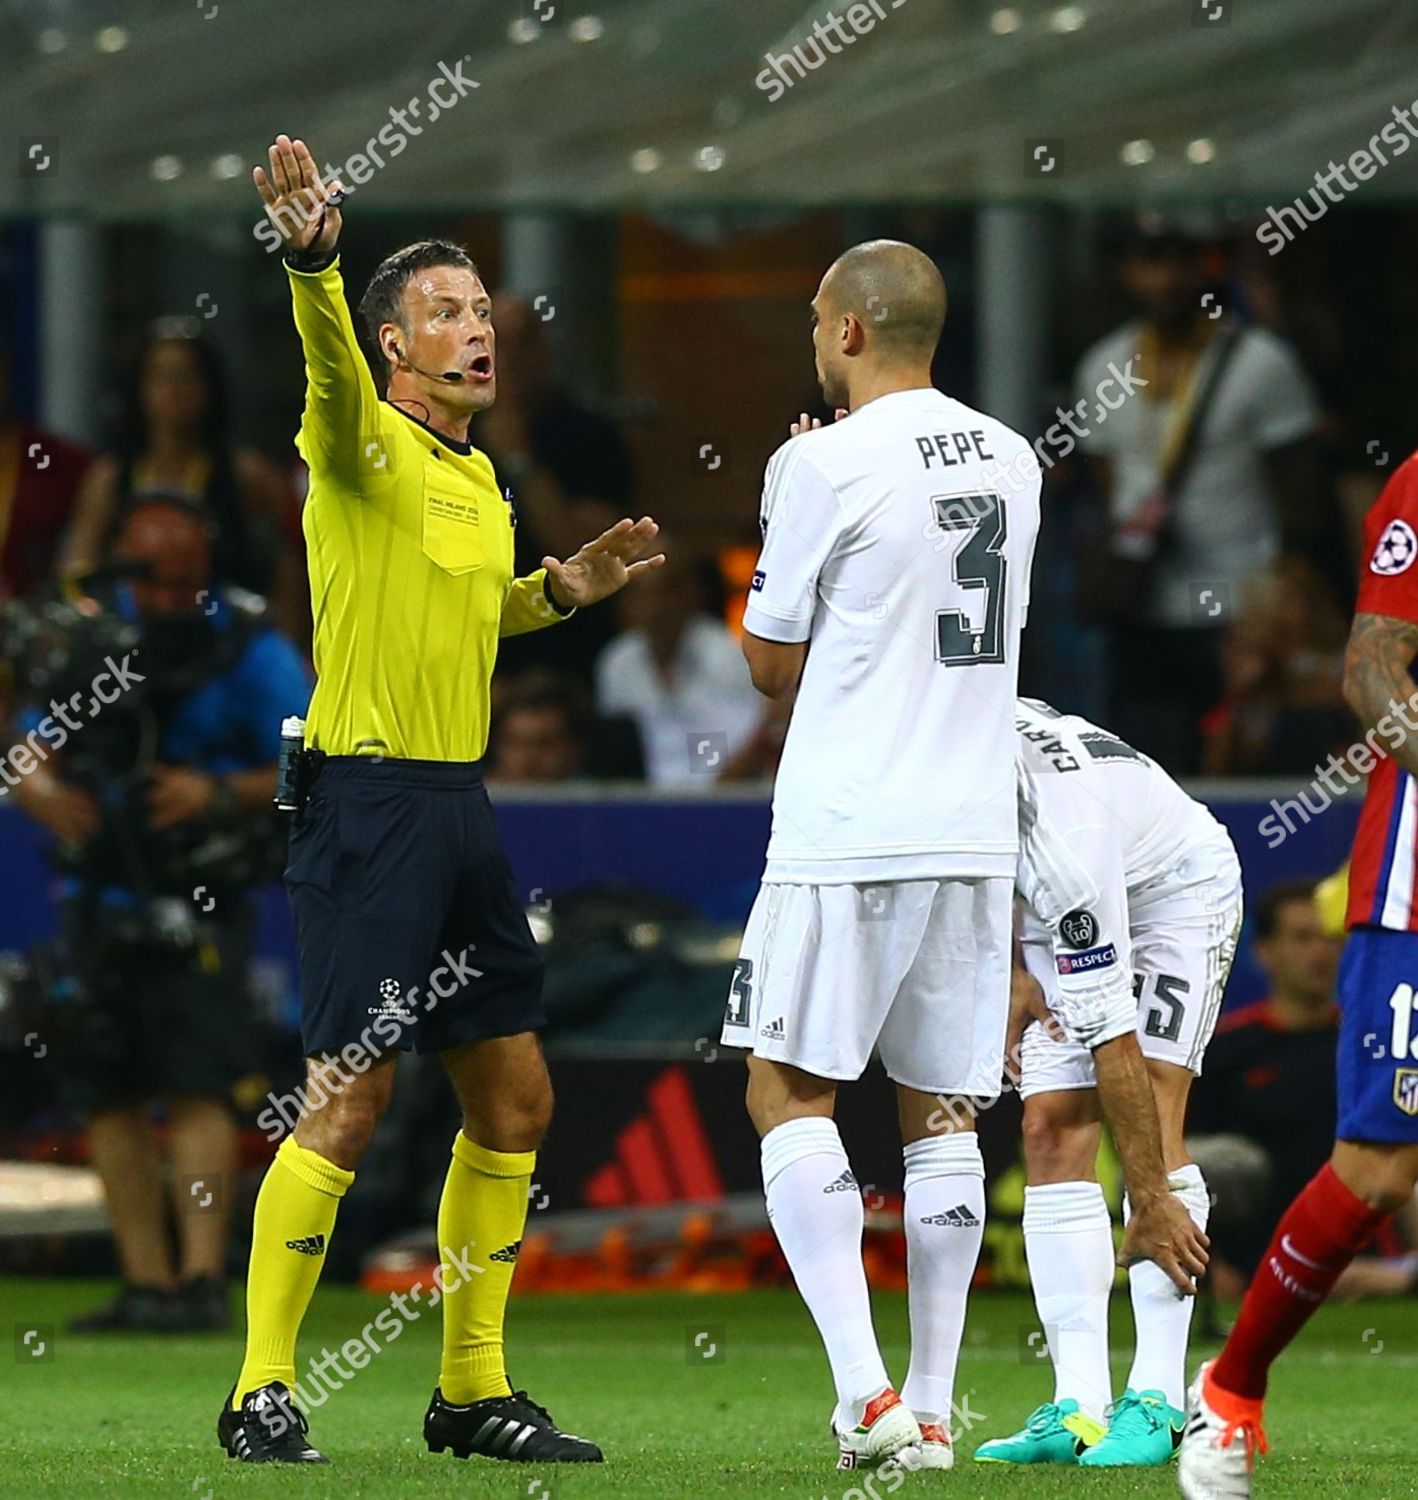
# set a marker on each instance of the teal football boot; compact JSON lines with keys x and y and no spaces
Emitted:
{"x":1057,"y":1433}
{"x":1144,"y":1431}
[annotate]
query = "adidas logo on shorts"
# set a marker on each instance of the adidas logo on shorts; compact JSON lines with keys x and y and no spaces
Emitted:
{"x":774,"y":1031}
{"x":311,"y":1244}
{"x":846,"y":1183}
{"x":508,"y":1253}
{"x":958,"y":1217}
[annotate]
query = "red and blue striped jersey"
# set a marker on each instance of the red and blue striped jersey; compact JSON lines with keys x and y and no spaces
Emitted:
{"x":1383,"y":875}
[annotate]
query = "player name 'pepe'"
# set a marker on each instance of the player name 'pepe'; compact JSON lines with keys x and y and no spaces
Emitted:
{"x":967,"y":448}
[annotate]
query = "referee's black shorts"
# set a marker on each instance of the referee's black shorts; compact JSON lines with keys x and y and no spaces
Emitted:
{"x":408,"y":925}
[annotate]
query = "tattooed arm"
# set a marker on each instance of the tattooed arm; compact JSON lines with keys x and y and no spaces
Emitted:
{"x":1379,"y":685}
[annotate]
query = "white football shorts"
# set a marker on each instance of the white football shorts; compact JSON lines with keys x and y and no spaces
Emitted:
{"x":1181,"y":956}
{"x":918,"y":969}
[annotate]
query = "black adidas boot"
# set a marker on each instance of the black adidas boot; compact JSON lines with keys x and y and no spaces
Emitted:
{"x":267,"y":1429}
{"x":509,"y":1427}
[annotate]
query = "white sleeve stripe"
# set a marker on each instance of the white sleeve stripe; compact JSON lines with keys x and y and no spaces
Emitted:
{"x":1051,"y":880}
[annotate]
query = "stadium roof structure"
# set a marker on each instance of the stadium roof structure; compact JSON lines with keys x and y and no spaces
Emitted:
{"x":149,"y":108}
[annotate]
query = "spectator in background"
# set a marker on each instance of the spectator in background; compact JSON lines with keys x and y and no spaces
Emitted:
{"x":39,"y":477}
{"x":158,"y":1000}
{"x":1269,"y":1073}
{"x":173,"y":439}
{"x":1328,"y":337}
{"x":544,"y":730}
{"x":538,"y":731}
{"x":757,"y":758}
{"x":1282,"y":660}
{"x":679,"y":673}
{"x":1204,"y":481}
{"x":568,"y":469}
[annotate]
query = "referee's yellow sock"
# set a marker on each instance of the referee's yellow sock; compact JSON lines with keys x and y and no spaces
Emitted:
{"x":295,"y":1215}
{"x":480,"y":1220}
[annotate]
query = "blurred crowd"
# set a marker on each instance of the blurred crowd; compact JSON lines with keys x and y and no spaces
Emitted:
{"x":1202,"y":540}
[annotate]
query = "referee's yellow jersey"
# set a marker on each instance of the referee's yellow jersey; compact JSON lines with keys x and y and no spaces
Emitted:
{"x":410,"y":552}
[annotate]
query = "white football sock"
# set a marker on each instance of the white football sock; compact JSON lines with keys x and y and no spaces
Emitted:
{"x":1068,"y":1239}
{"x":1161,"y":1314}
{"x":816,"y":1210}
{"x":945,"y":1224}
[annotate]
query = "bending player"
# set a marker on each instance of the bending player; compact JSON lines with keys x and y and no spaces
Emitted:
{"x":1150,"y":957}
{"x":1374,"y":1167}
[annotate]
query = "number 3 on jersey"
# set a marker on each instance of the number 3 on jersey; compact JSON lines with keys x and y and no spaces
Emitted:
{"x":968,"y":629}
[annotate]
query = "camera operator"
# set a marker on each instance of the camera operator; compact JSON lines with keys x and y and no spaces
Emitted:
{"x":161,"y":806}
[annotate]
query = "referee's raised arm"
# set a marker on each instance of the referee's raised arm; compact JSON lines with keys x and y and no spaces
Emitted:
{"x":341,"y":402}
{"x":410,"y":929}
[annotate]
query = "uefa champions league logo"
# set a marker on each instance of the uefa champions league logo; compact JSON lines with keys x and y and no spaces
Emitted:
{"x":1396,"y":549}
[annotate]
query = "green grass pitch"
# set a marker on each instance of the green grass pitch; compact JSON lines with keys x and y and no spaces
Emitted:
{"x":98,"y":1417}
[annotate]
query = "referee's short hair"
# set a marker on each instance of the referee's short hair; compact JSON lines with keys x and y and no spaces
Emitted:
{"x":383,"y":300}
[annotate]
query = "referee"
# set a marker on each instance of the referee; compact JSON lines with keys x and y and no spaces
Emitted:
{"x":408,"y":925}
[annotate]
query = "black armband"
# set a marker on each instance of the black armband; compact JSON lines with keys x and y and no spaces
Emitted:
{"x":569,"y":609}
{"x":310,"y":263}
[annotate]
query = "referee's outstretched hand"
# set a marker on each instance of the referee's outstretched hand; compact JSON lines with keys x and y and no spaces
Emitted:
{"x":304,"y":210}
{"x":605,"y":566}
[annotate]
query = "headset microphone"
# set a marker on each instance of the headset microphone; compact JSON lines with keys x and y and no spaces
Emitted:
{"x":451,"y":377}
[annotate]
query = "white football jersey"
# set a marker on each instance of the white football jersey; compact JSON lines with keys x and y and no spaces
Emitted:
{"x":1115,"y":815}
{"x":898,"y":543}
